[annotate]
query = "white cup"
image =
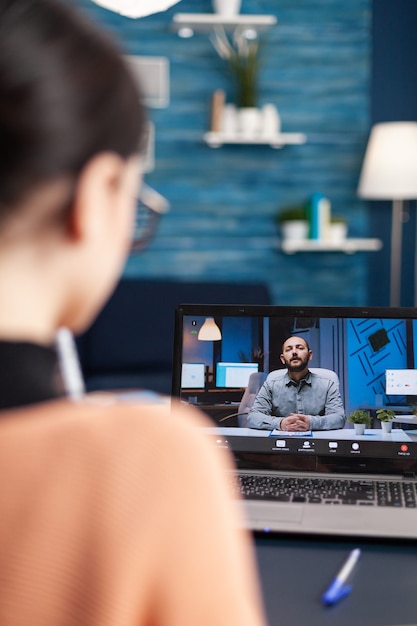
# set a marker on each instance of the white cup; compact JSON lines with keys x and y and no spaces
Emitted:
{"x":249,"y":122}
{"x":229,"y":120}
{"x":271,"y":121}
{"x":227,"y":8}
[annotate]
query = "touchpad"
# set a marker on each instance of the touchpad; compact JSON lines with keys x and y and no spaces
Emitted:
{"x":273,"y":512}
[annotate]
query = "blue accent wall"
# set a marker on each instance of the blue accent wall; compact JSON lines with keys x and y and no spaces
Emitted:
{"x":372,"y":347}
{"x":316,"y":68}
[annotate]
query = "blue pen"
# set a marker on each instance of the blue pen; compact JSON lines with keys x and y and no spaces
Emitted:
{"x":337,"y":588}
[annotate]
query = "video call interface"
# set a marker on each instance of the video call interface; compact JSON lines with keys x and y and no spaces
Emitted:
{"x":375,"y":360}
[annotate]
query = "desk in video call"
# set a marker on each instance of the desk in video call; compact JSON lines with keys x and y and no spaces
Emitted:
{"x":371,"y":434}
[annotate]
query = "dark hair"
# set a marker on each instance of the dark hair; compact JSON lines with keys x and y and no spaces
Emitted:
{"x":65,"y":95}
{"x":290,"y":337}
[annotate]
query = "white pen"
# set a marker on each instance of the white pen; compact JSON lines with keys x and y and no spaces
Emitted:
{"x":337,"y":588}
{"x":69,"y":364}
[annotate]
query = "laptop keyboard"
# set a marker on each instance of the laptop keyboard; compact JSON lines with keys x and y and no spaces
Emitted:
{"x":329,"y":491}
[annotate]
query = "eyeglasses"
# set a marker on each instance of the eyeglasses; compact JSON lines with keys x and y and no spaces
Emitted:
{"x":151,"y":206}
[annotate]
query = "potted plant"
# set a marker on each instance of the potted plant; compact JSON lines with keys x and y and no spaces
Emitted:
{"x":385,"y":416}
{"x":242,"y":57}
{"x":293,"y":222}
{"x":360,"y":419}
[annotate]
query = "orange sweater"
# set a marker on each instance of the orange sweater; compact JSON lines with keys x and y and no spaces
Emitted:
{"x":117,"y":516}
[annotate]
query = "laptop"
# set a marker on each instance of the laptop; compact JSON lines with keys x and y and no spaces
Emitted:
{"x":332,"y":482}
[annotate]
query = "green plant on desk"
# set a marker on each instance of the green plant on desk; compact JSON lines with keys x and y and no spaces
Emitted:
{"x":385,"y":415}
{"x":360,"y":417}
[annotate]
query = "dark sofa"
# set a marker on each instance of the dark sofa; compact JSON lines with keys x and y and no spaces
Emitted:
{"x":130,"y":343}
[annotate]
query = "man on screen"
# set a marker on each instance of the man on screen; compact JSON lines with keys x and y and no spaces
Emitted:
{"x":295,"y":398}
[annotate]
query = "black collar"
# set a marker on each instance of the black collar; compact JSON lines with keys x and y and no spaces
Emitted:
{"x":29,"y":373}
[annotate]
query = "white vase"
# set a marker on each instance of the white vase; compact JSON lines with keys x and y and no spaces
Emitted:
{"x":249,"y":122}
{"x":337,"y":232}
{"x":227,"y":8}
{"x":271,"y":121}
{"x":359,"y":429}
{"x":386,"y":426}
{"x":294,"y":230}
{"x":228,"y":125}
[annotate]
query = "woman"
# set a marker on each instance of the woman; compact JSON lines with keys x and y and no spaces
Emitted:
{"x":109,"y":514}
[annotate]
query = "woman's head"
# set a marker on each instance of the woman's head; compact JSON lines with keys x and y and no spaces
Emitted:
{"x":65,"y":96}
{"x":71,"y":123}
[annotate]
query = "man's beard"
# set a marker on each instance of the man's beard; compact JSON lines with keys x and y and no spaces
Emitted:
{"x":302,"y":365}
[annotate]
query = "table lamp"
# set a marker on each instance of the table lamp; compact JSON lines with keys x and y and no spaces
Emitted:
{"x":389,"y":172}
{"x":136,"y":8}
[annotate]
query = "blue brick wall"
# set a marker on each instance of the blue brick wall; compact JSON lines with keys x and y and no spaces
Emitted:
{"x":316,"y":69}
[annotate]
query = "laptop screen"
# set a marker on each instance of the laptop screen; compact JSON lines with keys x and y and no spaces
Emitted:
{"x":372,"y":351}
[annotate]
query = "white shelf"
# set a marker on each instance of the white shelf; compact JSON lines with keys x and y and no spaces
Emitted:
{"x":215,"y":140}
{"x":349,"y":246}
{"x":205,"y":22}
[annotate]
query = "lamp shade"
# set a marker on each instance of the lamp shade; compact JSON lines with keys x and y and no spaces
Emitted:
{"x":136,"y":8}
{"x":389,"y":170}
{"x":209,"y":331}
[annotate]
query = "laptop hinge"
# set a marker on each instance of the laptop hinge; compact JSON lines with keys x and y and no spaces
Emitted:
{"x":409,"y":475}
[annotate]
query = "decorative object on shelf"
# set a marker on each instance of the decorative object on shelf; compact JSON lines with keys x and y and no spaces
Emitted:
{"x":228,"y":128}
{"x":259,"y":126}
{"x":319,"y":216}
{"x":209,"y":331}
{"x":136,"y":8}
{"x":230,"y":124}
{"x":293,"y":223}
{"x":249,"y":122}
{"x":270,"y":120}
{"x":217,"y":110}
{"x":323,"y":232}
{"x":323,"y":226}
{"x":241,"y":55}
{"x":360,"y":420}
{"x":389,"y":172}
{"x":226,"y":8}
{"x":338,"y":229}
{"x":385,"y":416}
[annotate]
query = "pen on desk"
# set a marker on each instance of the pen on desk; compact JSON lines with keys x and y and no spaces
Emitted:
{"x":69,"y":364}
{"x":337,"y":588}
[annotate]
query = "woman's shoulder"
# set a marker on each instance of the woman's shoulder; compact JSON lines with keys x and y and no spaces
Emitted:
{"x":105,"y":427}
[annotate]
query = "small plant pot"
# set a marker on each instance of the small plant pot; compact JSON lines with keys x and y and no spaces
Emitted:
{"x":337,"y":232}
{"x":249,"y":122}
{"x":359,"y":429}
{"x":294,"y":230}
{"x":386,"y":426}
